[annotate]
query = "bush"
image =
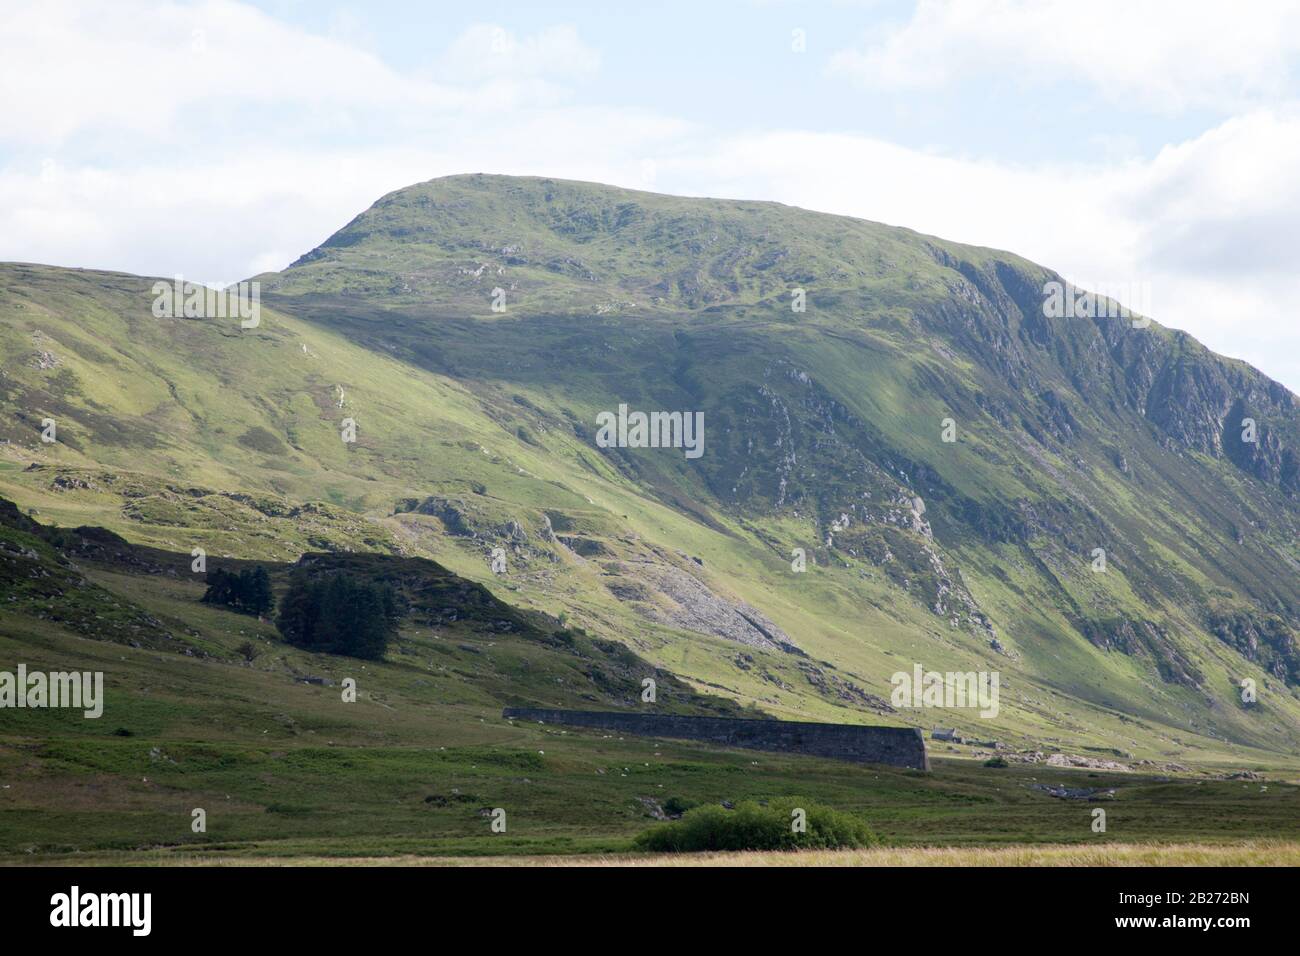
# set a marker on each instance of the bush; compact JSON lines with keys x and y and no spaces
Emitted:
{"x":754,"y":827}
{"x":339,"y":614}
{"x":995,"y":762}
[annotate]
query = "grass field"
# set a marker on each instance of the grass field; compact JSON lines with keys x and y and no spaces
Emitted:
{"x":1251,"y":853}
{"x":283,"y":767}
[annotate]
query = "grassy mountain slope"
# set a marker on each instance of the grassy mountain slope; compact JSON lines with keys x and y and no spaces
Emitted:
{"x":823,"y":432}
{"x":208,"y":709}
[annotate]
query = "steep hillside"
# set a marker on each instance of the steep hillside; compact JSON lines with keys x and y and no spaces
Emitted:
{"x":205,"y":709}
{"x":824,"y":431}
{"x":92,"y":583}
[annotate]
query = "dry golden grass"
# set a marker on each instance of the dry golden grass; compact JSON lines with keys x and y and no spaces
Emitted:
{"x":1251,"y":853}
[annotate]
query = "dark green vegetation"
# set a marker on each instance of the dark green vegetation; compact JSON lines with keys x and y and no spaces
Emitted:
{"x":339,"y":614}
{"x":754,"y":826}
{"x":248,"y":590}
{"x":475,"y":433}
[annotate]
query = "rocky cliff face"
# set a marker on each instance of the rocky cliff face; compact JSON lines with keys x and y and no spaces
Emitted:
{"x":1198,"y":400}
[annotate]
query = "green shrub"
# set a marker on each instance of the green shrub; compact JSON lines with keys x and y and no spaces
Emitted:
{"x":676,"y":806}
{"x":995,"y":762}
{"x":754,"y":827}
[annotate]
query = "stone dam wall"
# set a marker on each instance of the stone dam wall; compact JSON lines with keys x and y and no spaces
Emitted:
{"x":894,"y":746}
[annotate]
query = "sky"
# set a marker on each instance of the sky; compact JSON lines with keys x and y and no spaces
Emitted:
{"x":1128,"y":144}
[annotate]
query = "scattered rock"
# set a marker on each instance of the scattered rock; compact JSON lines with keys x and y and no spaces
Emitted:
{"x":1091,"y":794}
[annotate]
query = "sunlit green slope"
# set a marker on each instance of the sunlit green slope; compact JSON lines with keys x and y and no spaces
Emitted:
{"x":824,"y":432}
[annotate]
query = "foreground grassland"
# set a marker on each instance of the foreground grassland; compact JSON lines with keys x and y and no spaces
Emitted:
{"x":285,"y":770}
{"x":1253,"y":853}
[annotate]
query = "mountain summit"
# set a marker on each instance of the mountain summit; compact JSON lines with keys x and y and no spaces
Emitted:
{"x":905,"y":459}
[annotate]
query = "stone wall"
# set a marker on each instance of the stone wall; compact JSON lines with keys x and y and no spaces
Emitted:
{"x":895,"y":746}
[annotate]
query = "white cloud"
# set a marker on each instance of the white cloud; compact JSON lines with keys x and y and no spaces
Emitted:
{"x":154,"y":70}
{"x":1168,"y":55}
{"x":143,"y":69}
{"x":487,"y":50}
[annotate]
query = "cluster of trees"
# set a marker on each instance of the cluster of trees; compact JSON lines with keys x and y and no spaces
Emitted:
{"x":248,"y":591}
{"x":339,"y":614}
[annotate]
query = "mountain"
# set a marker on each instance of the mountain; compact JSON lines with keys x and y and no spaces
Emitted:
{"x":475,"y":328}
